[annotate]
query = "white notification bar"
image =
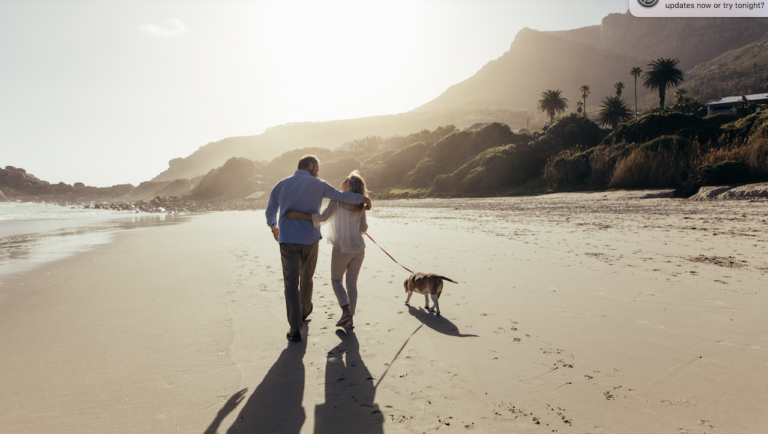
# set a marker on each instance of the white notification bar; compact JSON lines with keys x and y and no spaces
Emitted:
{"x":698,"y":8}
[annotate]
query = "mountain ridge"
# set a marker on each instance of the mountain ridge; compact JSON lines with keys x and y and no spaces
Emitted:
{"x":597,"y":56}
{"x":507,"y":89}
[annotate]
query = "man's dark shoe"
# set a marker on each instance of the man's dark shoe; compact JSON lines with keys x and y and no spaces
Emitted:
{"x":311,"y":306}
{"x":294,"y":336}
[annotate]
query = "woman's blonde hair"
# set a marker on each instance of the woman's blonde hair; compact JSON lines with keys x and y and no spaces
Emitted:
{"x":356,"y":184}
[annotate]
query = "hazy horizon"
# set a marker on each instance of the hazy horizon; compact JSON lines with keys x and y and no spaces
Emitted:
{"x":107,"y":93}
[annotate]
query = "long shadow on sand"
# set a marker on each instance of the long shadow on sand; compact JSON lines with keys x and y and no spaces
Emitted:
{"x":437,"y":323}
{"x":275,"y":405}
{"x":349,"y":392}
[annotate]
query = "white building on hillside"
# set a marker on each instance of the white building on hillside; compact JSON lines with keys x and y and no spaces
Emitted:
{"x":725,"y":105}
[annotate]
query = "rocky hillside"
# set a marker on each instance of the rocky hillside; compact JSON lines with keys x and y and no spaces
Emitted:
{"x":237,"y":178}
{"x":329,"y":135}
{"x":737,"y":72}
{"x":597,"y":56}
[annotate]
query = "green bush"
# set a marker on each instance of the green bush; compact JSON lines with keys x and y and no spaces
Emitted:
{"x":754,"y":125}
{"x":389,"y":167}
{"x":423,"y":175}
{"x":568,"y":132}
{"x":235,"y":179}
{"x":674,"y":144}
{"x":602,"y":161}
{"x":660,"y":163}
{"x":512,"y":165}
{"x":460,"y":147}
{"x":373,"y":159}
{"x":405,"y":160}
{"x":723,"y":173}
{"x":567,"y":170}
{"x":443,"y":183}
{"x":651,"y":126}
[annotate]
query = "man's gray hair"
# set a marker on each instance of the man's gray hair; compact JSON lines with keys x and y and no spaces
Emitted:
{"x":305,"y":160}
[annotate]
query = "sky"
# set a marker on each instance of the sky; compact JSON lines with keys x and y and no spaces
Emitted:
{"x":107,"y":92}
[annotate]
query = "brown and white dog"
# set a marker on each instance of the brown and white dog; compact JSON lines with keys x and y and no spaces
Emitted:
{"x":429,"y":285}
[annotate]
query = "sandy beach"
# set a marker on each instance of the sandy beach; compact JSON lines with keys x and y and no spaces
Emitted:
{"x":579,"y":313}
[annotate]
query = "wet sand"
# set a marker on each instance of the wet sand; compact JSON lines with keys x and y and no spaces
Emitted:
{"x":583,"y":313}
{"x":26,"y":244}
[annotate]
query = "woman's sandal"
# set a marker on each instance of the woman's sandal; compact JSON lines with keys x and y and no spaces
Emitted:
{"x":343,"y":322}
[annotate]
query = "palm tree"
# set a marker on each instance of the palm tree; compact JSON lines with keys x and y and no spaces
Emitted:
{"x":663,"y":74}
{"x":680,"y":94}
{"x":552,"y":103}
{"x":618,"y":87}
{"x":614,"y":111}
{"x":579,"y":104}
{"x":584,"y":94}
{"x":635,"y":72}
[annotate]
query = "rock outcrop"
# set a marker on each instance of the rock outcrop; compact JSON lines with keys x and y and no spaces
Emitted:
{"x":18,"y":185}
{"x":733,"y":192}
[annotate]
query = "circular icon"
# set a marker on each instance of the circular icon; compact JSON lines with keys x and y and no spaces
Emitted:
{"x":648,"y":3}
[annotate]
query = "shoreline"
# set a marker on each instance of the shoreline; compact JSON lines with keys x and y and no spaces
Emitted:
{"x":29,"y":244}
{"x":572,"y":312}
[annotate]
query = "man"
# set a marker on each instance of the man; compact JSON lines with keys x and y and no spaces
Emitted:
{"x":299,"y":238}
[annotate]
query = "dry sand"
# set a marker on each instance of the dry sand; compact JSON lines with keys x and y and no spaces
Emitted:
{"x":582,"y":313}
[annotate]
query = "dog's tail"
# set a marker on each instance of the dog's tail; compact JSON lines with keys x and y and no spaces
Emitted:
{"x":445,"y":278}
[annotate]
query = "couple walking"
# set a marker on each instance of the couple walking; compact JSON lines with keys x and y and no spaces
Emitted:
{"x":297,"y":228}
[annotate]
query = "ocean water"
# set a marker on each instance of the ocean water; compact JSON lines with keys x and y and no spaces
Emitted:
{"x":18,"y":212}
{"x":35,"y":234}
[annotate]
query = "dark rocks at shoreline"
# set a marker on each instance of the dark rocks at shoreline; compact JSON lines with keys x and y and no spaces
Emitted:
{"x":20,"y":179}
{"x":17,"y":184}
{"x":172,"y":205}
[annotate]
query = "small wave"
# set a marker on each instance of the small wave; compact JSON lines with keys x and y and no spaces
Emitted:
{"x":29,"y":211}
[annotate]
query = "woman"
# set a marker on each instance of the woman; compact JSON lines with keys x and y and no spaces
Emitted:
{"x":346,"y":229}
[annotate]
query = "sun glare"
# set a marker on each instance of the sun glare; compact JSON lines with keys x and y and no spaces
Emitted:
{"x":344,"y":45}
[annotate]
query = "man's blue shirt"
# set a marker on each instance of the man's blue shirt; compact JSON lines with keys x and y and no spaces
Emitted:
{"x":302,"y":192}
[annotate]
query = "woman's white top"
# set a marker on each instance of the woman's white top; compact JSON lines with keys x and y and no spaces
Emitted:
{"x":347,"y":226}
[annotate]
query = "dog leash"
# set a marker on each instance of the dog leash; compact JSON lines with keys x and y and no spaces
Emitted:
{"x":385,"y":252}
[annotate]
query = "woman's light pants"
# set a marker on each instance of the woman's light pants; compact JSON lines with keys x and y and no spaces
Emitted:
{"x":349,"y":263}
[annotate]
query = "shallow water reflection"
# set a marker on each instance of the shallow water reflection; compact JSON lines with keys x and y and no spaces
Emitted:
{"x":27,"y":245}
